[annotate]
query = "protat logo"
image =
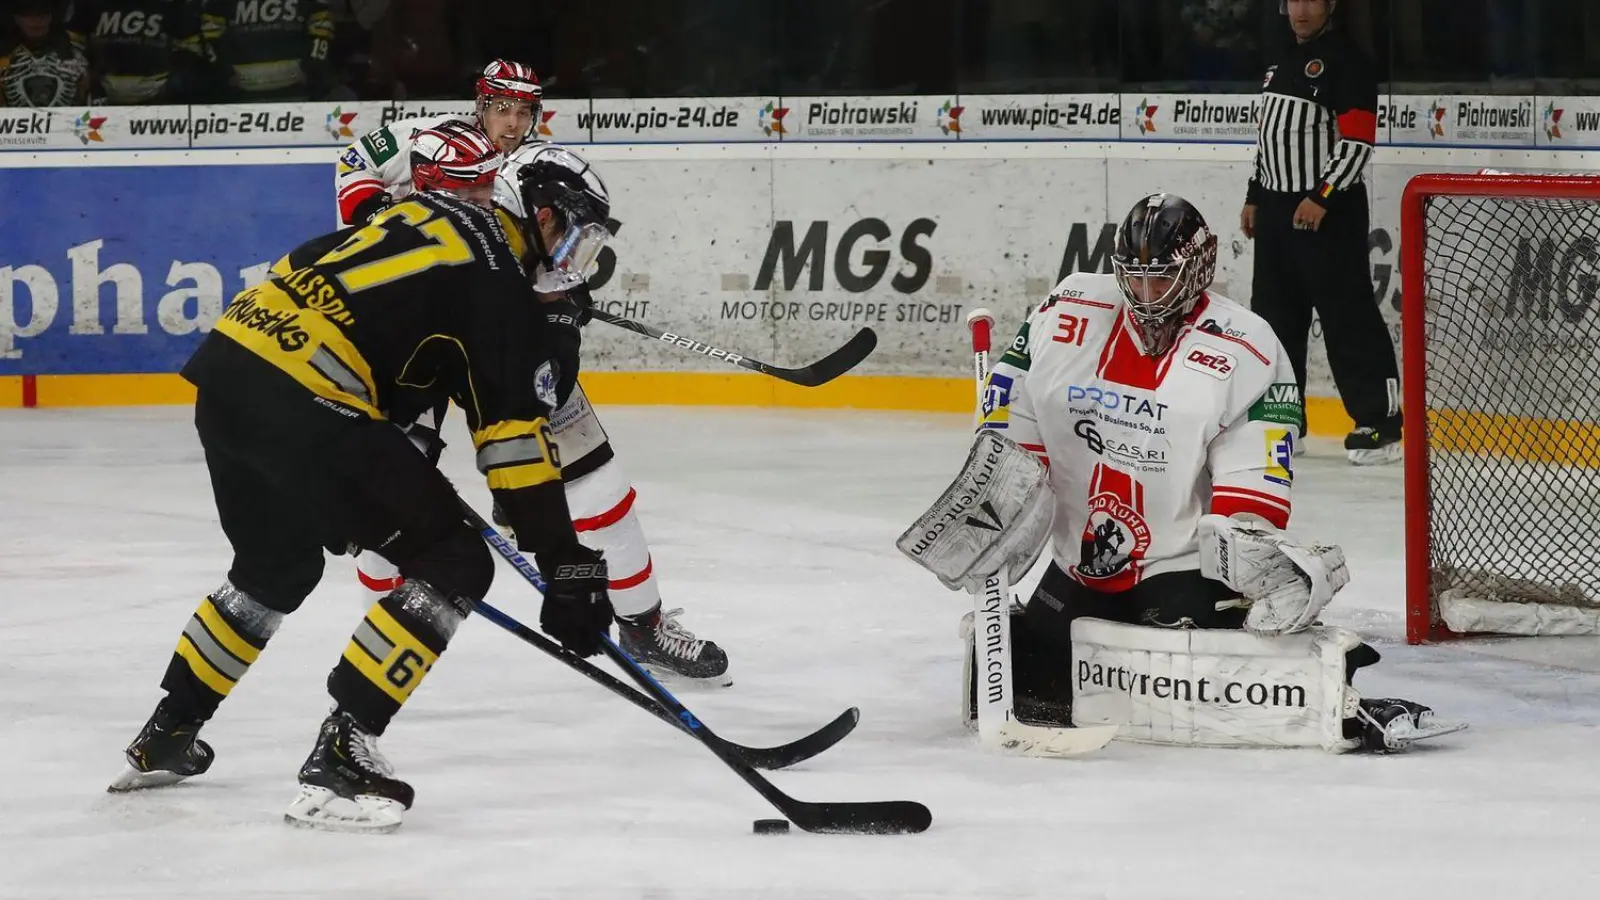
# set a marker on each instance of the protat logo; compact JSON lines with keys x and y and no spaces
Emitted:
{"x":771,"y":117}
{"x":87,"y":128}
{"x":950,"y":117}
{"x":545,"y":115}
{"x":338,"y":123}
{"x":1145,"y":115}
{"x":1210,"y":361}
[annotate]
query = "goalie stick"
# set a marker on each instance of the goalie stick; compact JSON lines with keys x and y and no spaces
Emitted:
{"x":824,"y":370}
{"x":878,"y":817}
{"x":991,"y":620}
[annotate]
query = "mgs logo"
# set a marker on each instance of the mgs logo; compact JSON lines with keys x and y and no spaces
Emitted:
{"x":1145,"y":115}
{"x":770,"y":118}
{"x":950,"y":117}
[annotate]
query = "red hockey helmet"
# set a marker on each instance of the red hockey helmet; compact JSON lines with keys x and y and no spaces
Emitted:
{"x":504,"y":86}
{"x":456,"y":158}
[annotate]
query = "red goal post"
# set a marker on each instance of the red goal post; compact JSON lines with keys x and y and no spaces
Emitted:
{"x":1501,"y":373}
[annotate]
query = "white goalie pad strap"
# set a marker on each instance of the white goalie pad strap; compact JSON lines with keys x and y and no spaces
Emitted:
{"x":995,"y":515}
{"x":1287,"y":584}
{"x":1212,"y":688}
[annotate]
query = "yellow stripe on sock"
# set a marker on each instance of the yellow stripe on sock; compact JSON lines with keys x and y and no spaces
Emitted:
{"x":399,"y":673}
{"x":202,"y":669}
{"x":224,"y":633}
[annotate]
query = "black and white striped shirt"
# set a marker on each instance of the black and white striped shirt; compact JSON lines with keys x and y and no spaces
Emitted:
{"x":1319,"y":119}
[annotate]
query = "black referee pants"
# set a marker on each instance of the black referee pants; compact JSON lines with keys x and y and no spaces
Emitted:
{"x":1327,"y":271}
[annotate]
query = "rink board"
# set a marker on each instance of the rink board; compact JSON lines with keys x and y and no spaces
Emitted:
{"x":776,"y":247}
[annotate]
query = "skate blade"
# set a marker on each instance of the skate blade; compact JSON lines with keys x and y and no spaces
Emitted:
{"x":321,"y":809}
{"x":1382,"y":456}
{"x":134,"y":780}
{"x":1404,"y":738}
{"x":674,"y":678}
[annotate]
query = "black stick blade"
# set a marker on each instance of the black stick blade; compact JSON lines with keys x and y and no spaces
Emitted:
{"x":826,"y":369}
{"x":879,"y":817}
{"x":802,"y":749}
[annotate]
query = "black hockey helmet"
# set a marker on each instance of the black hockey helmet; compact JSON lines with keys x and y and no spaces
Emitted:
{"x":540,"y":177}
{"x":1165,"y":258}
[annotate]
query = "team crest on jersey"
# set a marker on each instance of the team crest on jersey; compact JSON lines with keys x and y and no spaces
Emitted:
{"x":544,"y":385}
{"x":997,"y":402}
{"x":1280,"y":457}
{"x":1116,"y":533}
{"x":1314,"y":68}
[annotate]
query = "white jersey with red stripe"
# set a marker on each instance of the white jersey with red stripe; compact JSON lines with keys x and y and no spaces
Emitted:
{"x":380,"y":162}
{"x":1139,"y":447}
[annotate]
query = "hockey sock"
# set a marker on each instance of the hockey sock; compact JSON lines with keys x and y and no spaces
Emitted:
{"x":391,"y":651}
{"x":223,"y":637}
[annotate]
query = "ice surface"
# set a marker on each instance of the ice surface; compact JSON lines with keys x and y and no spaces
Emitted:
{"x":775,"y":529}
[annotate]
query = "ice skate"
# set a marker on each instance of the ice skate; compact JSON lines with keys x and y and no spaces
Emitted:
{"x":671,"y":652}
{"x":167,"y":751}
{"x":1390,"y":725}
{"x":1367,"y":446}
{"x":347,"y":785}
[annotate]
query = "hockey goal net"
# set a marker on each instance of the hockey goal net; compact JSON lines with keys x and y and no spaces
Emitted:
{"x":1501,"y":340}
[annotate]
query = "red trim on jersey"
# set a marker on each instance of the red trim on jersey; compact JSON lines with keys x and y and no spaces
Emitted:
{"x":608,"y":518}
{"x":1359,"y":125}
{"x":635,"y":580}
{"x":1241,"y":342}
{"x":349,"y":202}
{"x":1227,"y":500}
{"x":1080,"y":300}
{"x":1122,"y":361}
{"x":379,"y":584}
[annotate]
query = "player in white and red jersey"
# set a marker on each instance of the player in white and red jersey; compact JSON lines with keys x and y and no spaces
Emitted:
{"x":599,"y":493}
{"x":375,"y":171}
{"x":1166,"y":416}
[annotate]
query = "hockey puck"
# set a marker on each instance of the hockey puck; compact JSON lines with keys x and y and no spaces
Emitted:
{"x":771,"y":826}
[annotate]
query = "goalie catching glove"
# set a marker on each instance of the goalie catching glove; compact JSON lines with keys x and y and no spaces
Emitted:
{"x":1286,"y":585}
{"x":995,"y":515}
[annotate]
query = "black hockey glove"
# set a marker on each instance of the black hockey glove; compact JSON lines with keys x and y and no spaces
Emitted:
{"x":577,"y":608}
{"x":366,"y":209}
{"x":563,"y":333}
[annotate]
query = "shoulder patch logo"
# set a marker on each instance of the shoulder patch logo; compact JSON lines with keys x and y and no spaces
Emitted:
{"x":1210,"y":361}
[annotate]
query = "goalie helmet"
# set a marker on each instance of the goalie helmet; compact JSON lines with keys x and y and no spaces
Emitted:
{"x":545,"y":177}
{"x":456,"y":158}
{"x":513,"y":82}
{"x":1165,"y":258}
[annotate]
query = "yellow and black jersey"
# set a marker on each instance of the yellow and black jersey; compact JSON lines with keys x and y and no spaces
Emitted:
{"x":430,"y":296}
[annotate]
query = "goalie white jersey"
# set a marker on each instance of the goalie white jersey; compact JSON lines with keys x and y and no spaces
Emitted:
{"x":1139,"y":448}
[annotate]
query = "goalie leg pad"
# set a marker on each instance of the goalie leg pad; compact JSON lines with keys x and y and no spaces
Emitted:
{"x":995,"y":515}
{"x":1213,"y":688}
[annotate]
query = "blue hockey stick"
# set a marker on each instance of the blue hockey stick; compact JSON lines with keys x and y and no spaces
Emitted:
{"x":879,"y":817}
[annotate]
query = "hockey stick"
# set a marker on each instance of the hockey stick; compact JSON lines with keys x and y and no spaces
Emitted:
{"x":779,"y":757}
{"x":991,"y":618}
{"x":818,"y":373}
{"x":880,"y":817}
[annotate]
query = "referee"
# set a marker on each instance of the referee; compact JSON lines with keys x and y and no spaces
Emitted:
{"x":1307,"y":212}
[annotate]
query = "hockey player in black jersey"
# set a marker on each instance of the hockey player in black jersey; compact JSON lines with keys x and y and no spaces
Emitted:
{"x":295,"y":389}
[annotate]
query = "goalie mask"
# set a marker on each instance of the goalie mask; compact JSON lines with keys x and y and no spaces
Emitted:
{"x":1165,"y":258}
{"x":564,"y":210}
{"x":458,"y":159}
